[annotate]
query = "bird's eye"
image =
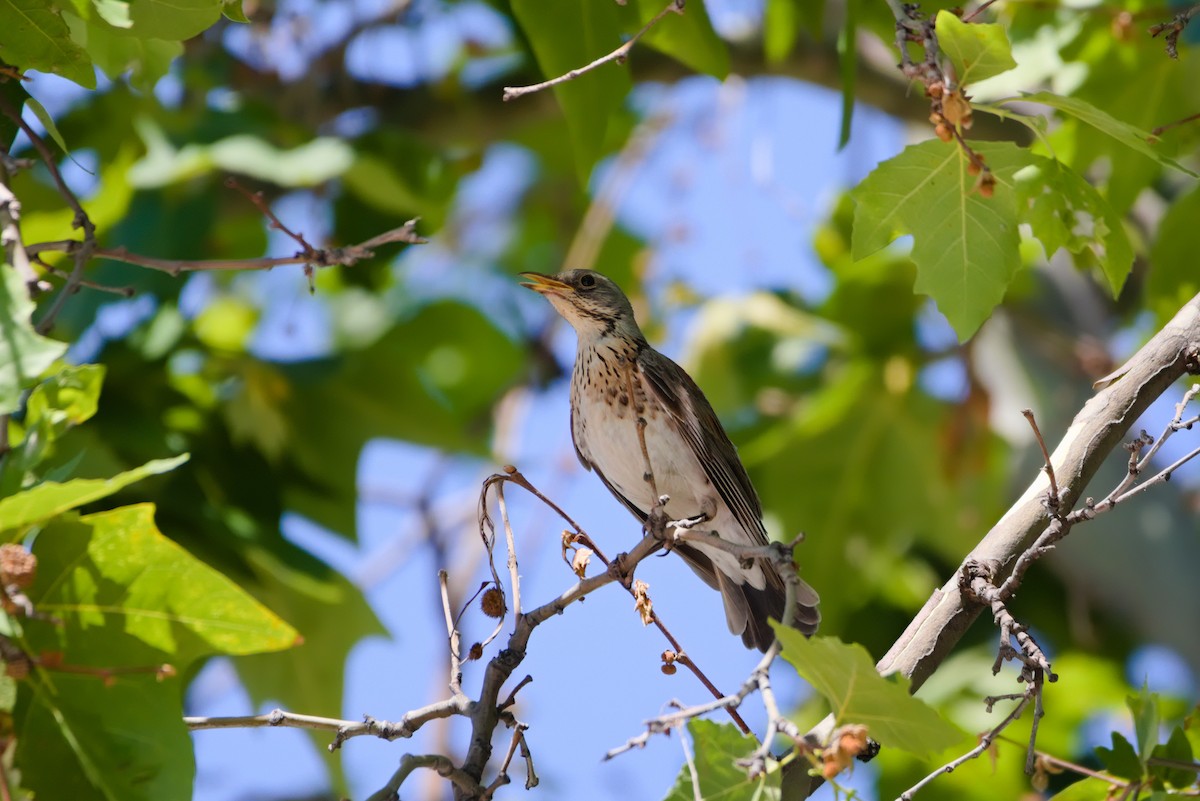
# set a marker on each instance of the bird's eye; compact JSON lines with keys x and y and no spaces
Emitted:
{"x":587,"y":281}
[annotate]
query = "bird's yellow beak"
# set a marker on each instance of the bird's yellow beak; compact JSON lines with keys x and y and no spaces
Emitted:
{"x":544,"y":284}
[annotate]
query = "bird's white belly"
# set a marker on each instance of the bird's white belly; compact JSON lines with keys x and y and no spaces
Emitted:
{"x":612,"y":445}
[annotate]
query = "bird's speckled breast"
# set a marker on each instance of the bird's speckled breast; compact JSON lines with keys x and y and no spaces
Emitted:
{"x":608,"y":398}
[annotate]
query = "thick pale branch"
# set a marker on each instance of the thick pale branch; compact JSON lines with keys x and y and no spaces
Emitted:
{"x":1096,"y":431}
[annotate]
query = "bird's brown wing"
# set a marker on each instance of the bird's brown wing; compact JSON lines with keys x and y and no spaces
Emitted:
{"x":694,"y":419}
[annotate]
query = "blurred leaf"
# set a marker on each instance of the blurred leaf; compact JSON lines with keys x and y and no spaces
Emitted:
{"x":232,"y":9}
{"x":780,"y":28}
{"x":1085,"y":790}
{"x":114,"y":12}
{"x":1121,"y":760}
{"x":1129,"y":135}
{"x":47,"y":122}
{"x":1177,"y":749}
{"x":566,"y":36}
{"x":65,"y":399}
{"x":106,"y":207}
{"x":848,"y":67}
{"x":718,"y":746}
{"x":430,"y":380}
{"x":978,"y":50}
{"x":845,"y":676}
{"x":309,"y":164}
{"x":1065,"y":211}
{"x":24,"y":353}
{"x":175,"y":20}
{"x":333,"y":617}
{"x":36,"y":37}
{"x":1144,"y":707}
{"x":964,"y":245}
{"x":51,"y":498}
{"x":226,"y":324}
{"x":1172,"y":278}
{"x":117,"y":52}
{"x":688,"y":37}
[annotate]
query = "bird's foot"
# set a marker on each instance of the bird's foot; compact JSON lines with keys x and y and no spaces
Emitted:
{"x":621,"y":569}
{"x":688,"y":523}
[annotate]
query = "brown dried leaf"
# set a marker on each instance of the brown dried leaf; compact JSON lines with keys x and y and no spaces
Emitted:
{"x":642,"y":602}
{"x":579,"y":562}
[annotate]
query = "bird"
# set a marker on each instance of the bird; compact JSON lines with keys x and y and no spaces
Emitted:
{"x":619,"y":384}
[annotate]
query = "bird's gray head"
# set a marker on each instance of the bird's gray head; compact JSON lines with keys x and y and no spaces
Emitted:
{"x":593,"y":305}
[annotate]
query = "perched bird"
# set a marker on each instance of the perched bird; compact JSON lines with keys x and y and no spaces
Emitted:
{"x":619,"y":380}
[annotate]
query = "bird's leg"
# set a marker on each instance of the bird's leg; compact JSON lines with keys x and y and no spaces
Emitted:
{"x":657,"y":521}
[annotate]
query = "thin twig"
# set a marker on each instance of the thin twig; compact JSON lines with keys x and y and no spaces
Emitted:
{"x":1048,"y":466}
{"x":1161,"y":129}
{"x":322,"y":257}
{"x":442,"y":765}
{"x":619,"y":55}
{"x":985,"y":742}
{"x":452,"y":635}
{"x":1173,"y":28}
{"x":515,"y":476}
{"x":81,"y":221}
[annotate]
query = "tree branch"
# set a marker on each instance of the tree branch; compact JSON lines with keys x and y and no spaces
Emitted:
{"x":1097,"y":429}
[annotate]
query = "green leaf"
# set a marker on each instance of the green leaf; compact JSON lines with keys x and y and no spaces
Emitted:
{"x":1085,"y":790}
{"x":47,"y":122}
{"x":232,"y":9}
{"x":127,"y":596}
{"x":51,"y":498}
{"x":780,"y":27}
{"x":717,"y":747}
{"x":848,"y":67}
{"x":174,"y":20}
{"x":978,"y":50}
{"x":24,"y":353}
{"x":1121,"y":760}
{"x":79,"y":738}
{"x":117,"y":53}
{"x":65,"y":399}
{"x":36,"y":37}
{"x":965,"y":246}
{"x":114,"y":12}
{"x":688,"y":37}
{"x":310,"y":164}
{"x":1173,"y":277}
{"x":1129,"y":135}
{"x":448,"y":363}
{"x":1144,"y":708}
{"x":129,"y":600}
{"x":1176,"y":749}
{"x":1065,"y":211}
{"x":334,"y":617}
{"x":845,"y":676}
{"x":566,"y":36}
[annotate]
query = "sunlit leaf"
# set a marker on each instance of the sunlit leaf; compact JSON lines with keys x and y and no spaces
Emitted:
{"x":979,"y":50}
{"x":964,"y":244}
{"x":51,"y":498}
{"x":36,"y":37}
{"x":1129,"y":135}
{"x":845,"y":676}
{"x":24,"y":353}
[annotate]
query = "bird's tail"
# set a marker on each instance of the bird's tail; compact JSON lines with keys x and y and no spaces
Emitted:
{"x":748,"y":610}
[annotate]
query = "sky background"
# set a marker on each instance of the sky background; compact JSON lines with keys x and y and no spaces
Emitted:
{"x":756,"y":157}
